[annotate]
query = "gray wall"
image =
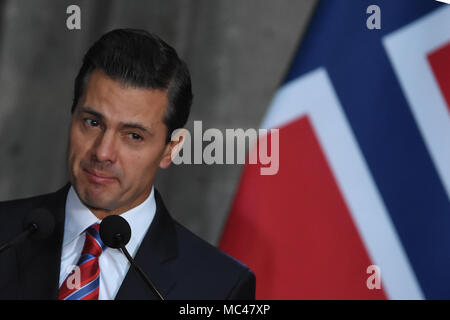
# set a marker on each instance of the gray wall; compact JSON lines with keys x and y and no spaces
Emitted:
{"x":237,"y":51}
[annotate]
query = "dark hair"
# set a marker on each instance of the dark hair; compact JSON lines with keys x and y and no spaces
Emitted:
{"x":140,"y":59}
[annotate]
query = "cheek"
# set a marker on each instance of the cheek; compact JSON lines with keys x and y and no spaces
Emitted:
{"x":77,"y":146}
{"x":140,"y":166}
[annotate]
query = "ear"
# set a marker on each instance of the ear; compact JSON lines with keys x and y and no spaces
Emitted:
{"x":172,"y":148}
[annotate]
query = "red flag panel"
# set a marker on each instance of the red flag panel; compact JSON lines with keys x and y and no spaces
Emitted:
{"x":294,"y":230}
{"x":440,"y":64}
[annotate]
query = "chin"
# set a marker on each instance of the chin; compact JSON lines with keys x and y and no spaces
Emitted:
{"x":94,"y":198}
{"x":99,"y":204}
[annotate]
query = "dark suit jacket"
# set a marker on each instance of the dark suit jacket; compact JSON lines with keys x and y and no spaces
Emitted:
{"x":180,"y":264}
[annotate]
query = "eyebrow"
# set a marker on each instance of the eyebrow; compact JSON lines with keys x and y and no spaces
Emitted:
{"x":127,"y":125}
{"x":91,"y":111}
{"x":132,"y":125}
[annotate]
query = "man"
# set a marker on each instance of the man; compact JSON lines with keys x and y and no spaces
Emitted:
{"x":131,"y":93}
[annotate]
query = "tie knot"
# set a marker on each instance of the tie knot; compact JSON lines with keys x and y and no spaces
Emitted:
{"x":93,"y":244}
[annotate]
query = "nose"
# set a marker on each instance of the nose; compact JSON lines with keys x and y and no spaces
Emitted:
{"x":104,"y":149}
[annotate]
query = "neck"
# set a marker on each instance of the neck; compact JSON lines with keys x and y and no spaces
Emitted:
{"x":102,"y":213}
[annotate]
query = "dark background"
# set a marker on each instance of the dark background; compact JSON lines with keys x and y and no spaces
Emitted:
{"x":237,"y":50}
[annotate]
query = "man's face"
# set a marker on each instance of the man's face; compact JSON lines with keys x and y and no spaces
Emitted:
{"x":117,"y":142}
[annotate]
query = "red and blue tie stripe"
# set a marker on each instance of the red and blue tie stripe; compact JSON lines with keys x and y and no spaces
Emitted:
{"x":89,"y":282}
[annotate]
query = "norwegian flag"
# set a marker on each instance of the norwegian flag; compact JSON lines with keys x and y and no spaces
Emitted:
{"x":364,"y":161}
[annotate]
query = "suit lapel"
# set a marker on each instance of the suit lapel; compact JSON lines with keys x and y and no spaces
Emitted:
{"x":156,"y":250}
{"x":39,"y":260}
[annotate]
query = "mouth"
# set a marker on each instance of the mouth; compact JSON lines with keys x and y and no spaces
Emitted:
{"x":98,"y":177}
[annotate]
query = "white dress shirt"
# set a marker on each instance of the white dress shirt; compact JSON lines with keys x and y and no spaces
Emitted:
{"x":113,"y":264}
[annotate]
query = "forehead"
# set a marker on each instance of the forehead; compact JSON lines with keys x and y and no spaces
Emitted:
{"x":119,"y":102}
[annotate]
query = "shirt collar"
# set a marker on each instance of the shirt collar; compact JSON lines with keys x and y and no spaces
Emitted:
{"x":79,"y":217}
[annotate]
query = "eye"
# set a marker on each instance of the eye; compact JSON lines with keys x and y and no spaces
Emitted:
{"x":135,"y":136}
{"x":91,"y":122}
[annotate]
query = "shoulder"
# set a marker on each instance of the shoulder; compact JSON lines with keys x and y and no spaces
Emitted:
{"x":197,"y":247}
{"x":202,"y":271}
{"x":18,"y":207}
{"x":13,"y":212}
{"x":23,"y":203}
{"x":219,"y":273}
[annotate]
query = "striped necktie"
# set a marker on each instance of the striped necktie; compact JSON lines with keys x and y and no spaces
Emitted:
{"x":83,"y":282}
